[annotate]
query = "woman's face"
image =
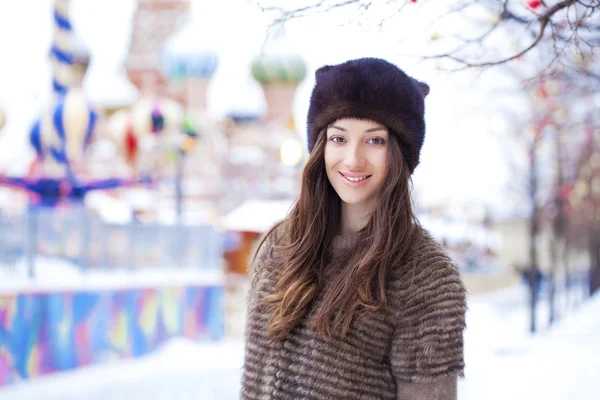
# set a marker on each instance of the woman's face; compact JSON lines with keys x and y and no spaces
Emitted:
{"x":356,"y":158}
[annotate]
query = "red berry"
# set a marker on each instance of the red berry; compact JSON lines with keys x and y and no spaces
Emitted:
{"x":533,"y":4}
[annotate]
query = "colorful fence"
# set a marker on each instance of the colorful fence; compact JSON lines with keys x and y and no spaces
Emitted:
{"x":42,"y":333}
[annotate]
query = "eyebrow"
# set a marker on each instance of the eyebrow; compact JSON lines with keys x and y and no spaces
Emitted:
{"x":370,"y":130}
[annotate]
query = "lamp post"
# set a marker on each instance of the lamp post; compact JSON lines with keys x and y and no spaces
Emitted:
{"x":189,"y":65}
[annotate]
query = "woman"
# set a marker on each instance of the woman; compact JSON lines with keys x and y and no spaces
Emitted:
{"x":351,"y":298}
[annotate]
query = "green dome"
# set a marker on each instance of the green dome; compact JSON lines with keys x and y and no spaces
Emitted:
{"x":279,"y":69}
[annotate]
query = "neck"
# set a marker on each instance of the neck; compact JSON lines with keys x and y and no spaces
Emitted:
{"x":354,"y":217}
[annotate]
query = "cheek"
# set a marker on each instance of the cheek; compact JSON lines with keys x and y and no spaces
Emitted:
{"x":329,"y":157}
{"x":326,"y":156}
{"x":382,"y":165}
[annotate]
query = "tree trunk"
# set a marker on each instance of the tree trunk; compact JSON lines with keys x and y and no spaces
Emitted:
{"x":568,"y":279}
{"x":552,"y":277}
{"x":533,"y":233}
{"x":594,"y":261}
{"x":533,"y":272}
{"x":558,"y":226}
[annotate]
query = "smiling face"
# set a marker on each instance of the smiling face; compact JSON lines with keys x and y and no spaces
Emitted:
{"x":356,"y":159}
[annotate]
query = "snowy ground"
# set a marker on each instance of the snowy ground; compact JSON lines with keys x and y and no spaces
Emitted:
{"x":503,"y":361}
{"x":58,"y":275}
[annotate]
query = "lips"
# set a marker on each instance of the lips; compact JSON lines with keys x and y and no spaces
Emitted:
{"x":355,"y":179}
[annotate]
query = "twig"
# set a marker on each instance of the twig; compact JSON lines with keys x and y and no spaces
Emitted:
{"x":543,"y":21}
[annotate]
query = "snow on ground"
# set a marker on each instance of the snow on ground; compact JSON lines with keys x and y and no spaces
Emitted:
{"x":503,"y":361}
{"x":181,"y":369}
{"x":54,"y":275}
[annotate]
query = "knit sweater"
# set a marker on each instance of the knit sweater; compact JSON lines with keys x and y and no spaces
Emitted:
{"x":410,"y":349}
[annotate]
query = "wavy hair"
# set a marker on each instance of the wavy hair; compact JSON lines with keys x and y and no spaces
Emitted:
{"x":307,"y":233}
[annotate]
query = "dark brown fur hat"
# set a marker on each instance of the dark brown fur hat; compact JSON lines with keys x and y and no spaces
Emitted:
{"x":370,"y":88}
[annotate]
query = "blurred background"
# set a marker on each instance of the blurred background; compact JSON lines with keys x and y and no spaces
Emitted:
{"x":145,"y":145}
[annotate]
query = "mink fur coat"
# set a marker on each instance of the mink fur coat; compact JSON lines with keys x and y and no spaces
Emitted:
{"x":412,"y":349}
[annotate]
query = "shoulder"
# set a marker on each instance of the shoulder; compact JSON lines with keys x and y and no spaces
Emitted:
{"x":426,"y":261}
{"x":428,"y":280}
{"x":428,"y":314}
{"x":271,"y":238}
{"x":265,"y":245}
{"x":431,"y":260}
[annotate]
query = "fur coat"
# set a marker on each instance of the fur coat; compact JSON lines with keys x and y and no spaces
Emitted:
{"x":412,"y":349}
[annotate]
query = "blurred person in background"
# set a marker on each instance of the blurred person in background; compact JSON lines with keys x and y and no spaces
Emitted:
{"x":351,"y":298}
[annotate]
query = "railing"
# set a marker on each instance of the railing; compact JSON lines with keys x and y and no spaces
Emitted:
{"x":78,"y":238}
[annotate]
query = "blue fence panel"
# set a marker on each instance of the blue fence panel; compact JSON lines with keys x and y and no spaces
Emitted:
{"x":73,"y":235}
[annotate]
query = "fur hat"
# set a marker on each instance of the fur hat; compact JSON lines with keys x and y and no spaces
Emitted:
{"x":370,"y":88}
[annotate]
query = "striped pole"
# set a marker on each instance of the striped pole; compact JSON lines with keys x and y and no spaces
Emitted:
{"x":61,"y":52}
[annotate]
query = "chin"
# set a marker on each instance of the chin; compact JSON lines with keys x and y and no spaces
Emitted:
{"x":352,"y":199}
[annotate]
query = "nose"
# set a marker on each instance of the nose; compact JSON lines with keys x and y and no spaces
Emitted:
{"x":354,"y":158}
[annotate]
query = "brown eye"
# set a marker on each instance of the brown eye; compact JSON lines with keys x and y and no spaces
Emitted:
{"x":377,"y":141}
{"x":336,"y":139}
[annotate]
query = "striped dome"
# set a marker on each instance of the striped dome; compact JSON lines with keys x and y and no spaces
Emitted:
{"x":276,"y":68}
{"x":202,"y":64}
{"x":65,"y":131}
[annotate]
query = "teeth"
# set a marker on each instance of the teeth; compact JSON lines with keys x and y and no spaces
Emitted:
{"x":356,"y":179}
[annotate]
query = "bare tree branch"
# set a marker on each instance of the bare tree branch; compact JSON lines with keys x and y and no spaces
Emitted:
{"x":320,"y":7}
{"x":543,"y":20}
{"x":568,"y":28}
{"x":455,"y":10}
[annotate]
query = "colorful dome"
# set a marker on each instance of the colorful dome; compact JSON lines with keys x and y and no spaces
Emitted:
{"x":185,"y":57}
{"x":201,"y":64}
{"x":149,"y":122}
{"x":65,"y":131}
{"x":276,"y":68}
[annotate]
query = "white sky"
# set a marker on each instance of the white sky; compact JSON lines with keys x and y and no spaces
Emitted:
{"x":460,"y":161}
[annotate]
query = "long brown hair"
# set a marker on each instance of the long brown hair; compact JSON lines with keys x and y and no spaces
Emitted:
{"x":308,"y":231}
